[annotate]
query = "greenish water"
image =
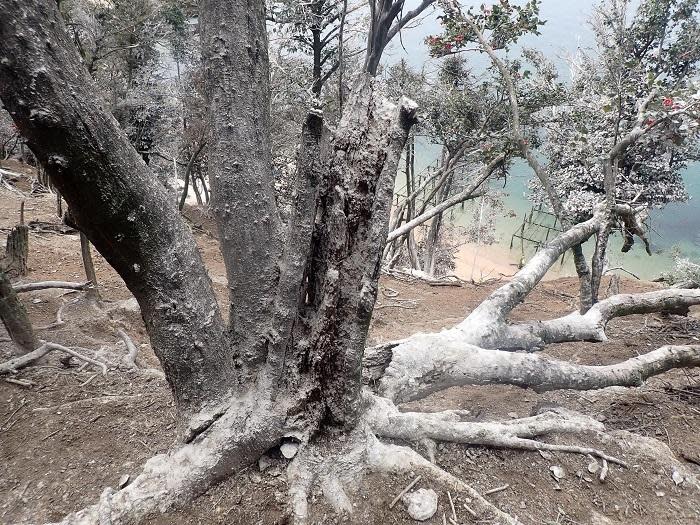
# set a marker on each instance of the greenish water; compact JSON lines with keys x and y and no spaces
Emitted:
{"x":676,"y":228}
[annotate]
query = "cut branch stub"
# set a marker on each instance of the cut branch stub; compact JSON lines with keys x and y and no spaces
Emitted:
{"x":16,"y":251}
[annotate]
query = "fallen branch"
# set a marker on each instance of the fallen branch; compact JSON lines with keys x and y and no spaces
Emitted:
{"x":44,"y":285}
{"x":13,"y":365}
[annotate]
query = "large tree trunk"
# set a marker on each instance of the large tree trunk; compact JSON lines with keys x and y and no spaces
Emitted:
{"x":288,"y":367}
{"x":114,"y":198}
{"x":240,"y":165}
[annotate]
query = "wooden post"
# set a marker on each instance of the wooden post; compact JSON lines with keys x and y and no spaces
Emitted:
{"x":14,"y":317}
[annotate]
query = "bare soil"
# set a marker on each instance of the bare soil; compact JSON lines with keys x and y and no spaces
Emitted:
{"x":74,"y":432}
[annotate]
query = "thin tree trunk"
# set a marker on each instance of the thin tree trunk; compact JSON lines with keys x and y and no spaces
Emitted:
{"x":59,"y":204}
{"x":204,"y":188}
{"x":197,"y":193}
{"x":93,"y":292}
{"x":433,"y":237}
{"x":14,"y":317}
{"x":188,"y":171}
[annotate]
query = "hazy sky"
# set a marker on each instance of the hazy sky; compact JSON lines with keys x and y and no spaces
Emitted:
{"x":566,"y":28}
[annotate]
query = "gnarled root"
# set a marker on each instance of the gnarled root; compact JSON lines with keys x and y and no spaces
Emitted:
{"x":337,"y":470}
{"x":248,"y":428}
{"x":387,"y":421}
{"x":397,"y":459}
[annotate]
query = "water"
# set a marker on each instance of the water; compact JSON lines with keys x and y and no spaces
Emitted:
{"x":675,"y":228}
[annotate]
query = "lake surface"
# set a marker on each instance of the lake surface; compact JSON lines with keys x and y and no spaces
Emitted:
{"x":676,"y":228}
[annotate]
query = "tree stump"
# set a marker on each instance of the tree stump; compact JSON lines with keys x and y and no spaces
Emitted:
{"x":17,"y":250}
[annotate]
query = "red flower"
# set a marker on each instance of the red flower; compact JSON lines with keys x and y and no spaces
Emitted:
{"x":668,"y":102}
{"x":650,"y":121}
{"x":448,"y":46}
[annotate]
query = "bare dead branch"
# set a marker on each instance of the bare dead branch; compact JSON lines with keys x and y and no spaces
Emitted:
{"x":45,"y":285}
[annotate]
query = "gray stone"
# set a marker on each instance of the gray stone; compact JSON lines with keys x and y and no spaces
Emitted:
{"x":421,"y":504}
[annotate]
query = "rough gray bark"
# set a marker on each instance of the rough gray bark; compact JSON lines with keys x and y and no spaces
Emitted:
{"x":289,"y":365}
{"x":14,"y":316}
{"x":240,"y":164}
{"x":113,"y":197}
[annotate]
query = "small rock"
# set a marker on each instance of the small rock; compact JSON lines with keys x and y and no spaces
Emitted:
{"x":264,"y":463}
{"x":512,"y":415}
{"x":124,"y":481}
{"x":421,"y":504}
{"x":660,"y":493}
{"x":36,"y":300}
{"x":255,"y":477}
{"x":289,"y":449}
{"x":523,"y":505}
{"x":677,"y":477}
{"x":557,"y":472}
{"x":593,"y":467}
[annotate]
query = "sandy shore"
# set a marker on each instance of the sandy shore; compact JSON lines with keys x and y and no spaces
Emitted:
{"x":479,"y":262}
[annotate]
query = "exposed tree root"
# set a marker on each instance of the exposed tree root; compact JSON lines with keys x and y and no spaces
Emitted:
{"x":387,"y":421}
{"x":399,"y":459}
{"x":130,"y":357}
{"x":248,"y":428}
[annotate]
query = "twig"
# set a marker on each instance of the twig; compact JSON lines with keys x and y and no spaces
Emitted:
{"x":20,"y":382}
{"x":452,"y":506}
{"x":497,"y":489}
{"x":88,"y":380}
{"x":12,"y":415}
{"x":471,"y":511}
{"x":50,"y":435}
{"x":404,"y":491}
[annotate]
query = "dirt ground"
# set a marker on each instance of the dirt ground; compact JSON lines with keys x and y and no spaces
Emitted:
{"x":73,"y":432}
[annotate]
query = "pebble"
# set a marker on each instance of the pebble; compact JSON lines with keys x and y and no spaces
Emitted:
{"x":289,"y":450}
{"x":421,"y":504}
